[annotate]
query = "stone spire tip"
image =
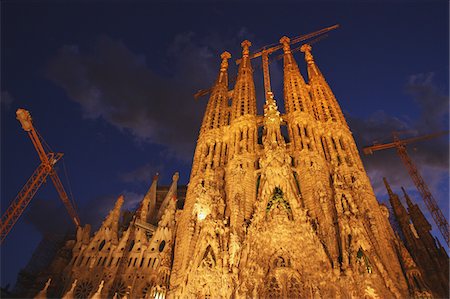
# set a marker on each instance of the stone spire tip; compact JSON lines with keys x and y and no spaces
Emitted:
{"x":388,"y":187}
{"x":176,"y":176}
{"x":156,"y":176}
{"x":306,"y":48}
{"x":246,"y":43}
{"x":285,"y":40}
{"x":225,"y":55}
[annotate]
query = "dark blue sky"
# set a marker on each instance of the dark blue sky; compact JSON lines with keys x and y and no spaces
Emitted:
{"x":110,"y":85}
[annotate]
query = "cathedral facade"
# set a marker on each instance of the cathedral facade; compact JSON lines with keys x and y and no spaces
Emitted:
{"x":266,"y":214}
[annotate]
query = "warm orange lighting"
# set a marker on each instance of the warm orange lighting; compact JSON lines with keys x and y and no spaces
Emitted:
{"x":201,"y":215}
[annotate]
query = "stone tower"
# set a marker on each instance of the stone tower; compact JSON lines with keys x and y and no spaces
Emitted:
{"x":414,"y":230}
{"x":291,"y":216}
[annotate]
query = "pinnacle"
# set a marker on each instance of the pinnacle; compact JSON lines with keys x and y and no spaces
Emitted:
{"x":388,"y":187}
{"x":176,"y":176}
{"x":156,"y":176}
{"x":246,"y":43}
{"x":306,"y":48}
{"x":225,"y":55}
{"x":285,"y":40}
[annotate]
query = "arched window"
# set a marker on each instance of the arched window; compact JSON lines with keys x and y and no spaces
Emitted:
{"x":273,"y":288}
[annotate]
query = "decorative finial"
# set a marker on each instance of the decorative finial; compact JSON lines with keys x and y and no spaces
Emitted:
{"x":224,"y":65}
{"x":306,"y":48}
{"x":225,"y":55}
{"x":156,"y":176}
{"x":245,"y":45}
{"x":285,"y":42}
{"x":175,"y":176}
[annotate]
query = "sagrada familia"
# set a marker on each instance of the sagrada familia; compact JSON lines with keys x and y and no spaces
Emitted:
{"x":266,"y":214}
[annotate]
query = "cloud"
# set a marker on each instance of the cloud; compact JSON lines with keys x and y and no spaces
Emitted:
{"x":143,"y":174}
{"x":6,"y":99}
{"x":431,"y":157}
{"x":48,"y":215}
{"x":112,"y":83}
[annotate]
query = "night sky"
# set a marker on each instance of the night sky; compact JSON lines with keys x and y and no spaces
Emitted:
{"x":111,"y":84}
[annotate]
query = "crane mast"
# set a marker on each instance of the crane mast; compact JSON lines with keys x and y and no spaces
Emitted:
{"x":39,"y":176}
{"x":430,"y":202}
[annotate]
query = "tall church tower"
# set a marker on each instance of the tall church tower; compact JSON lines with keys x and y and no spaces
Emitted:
{"x":291,"y":217}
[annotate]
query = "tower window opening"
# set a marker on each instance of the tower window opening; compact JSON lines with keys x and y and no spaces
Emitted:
{"x":258,"y":182}
{"x":297,"y":183}
{"x":104,"y":261}
{"x":102,"y":244}
{"x":129,"y":261}
{"x":80,"y":261}
{"x":334,"y":143}
{"x":110,"y":261}
{"x":99,"y":261}
{"x":134,"y":263}
{"x":87,"y":261}
{"x":162,"y":245}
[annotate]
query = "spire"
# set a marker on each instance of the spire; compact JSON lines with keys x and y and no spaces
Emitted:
{"x":322,"y":96}
{"x":244,"y":98}
{"x":417,"y":217}
{"x":112,"y":220}
{"x":147,"y":208}
{"x":399,"y":210}
{"x":408,"y":200}
{"x":272,"y":122}
{"x":215,"y":115}
{"x":296,"y":96}
{"x":388,"y":188}
{"x":169,"y":196}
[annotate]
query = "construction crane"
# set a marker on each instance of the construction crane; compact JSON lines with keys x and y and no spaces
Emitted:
{"x":45,"y":169}
{"x":430,"y":202}
{"x":265,"y":51}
